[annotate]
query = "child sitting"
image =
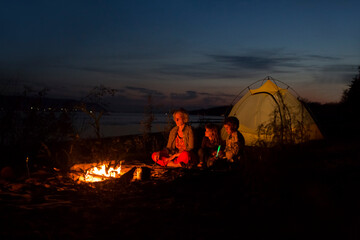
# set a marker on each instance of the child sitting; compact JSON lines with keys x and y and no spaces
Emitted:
{"x":235,"y":141}
{"x":209,"y":145}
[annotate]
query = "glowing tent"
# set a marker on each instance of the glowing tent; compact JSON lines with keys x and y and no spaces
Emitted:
{"x":271,"y":115}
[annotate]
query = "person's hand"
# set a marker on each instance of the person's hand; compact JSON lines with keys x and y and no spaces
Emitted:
{"x":174,"y":156}
{"x":221,"y":154}
{"x":169,"y":159}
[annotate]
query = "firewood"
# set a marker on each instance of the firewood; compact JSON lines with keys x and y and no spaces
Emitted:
{"x":99,"y":176}
{"x":127,"y":177}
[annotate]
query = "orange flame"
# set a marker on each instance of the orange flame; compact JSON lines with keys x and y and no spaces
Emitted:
{"x":98,"y":174}
{"x":137,"y":174}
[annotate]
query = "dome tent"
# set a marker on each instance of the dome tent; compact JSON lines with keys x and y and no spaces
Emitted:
{"x":271,"y":115}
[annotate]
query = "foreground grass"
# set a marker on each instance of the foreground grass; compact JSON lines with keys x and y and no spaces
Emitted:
{"x":304,"y":191}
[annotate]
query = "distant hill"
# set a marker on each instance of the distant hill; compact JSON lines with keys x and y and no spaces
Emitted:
{"x":22,"y":103}
{"x":215,"y":111}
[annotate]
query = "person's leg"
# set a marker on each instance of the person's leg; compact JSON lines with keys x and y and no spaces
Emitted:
{"x":204,"y":155}
{"x":201,"y":154}
{"x":210,"y":162}
{"x":184,"y":157}
{"x":162,"y":158}
{"x":174,"y":164}
{"x":229,"y":157}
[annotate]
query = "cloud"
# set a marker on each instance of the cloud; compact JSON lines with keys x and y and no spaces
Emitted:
{"x":341,"y":68}
{"x":188,"y":95}
{"x":146,"y":91}
{"x":216,"y":99}
{"x":320,"y":57}
{"x":336,"y":74}
{"x":98,"y":69}
{"x":198,"y":70}
{"x":257,"y":62}
{"x":196,"y":100}
{"x":216,"y":95}
{"x":253,"y":63}
{"x":215,"y":66}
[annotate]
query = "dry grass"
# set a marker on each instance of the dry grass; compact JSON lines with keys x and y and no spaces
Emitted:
{"x":290,"y":192}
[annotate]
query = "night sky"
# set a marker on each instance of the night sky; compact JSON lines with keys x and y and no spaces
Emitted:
{"x":194,"y":54}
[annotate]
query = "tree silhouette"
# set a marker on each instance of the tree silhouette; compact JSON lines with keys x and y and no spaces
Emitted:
{"x":350,"y":106}
{"x":351,"y":96}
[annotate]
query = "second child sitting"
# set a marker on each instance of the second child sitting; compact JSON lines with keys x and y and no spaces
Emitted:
{"x":209,"y":144}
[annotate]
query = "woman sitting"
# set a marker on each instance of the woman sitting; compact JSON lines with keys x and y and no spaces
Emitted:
{"x":181,"y":141}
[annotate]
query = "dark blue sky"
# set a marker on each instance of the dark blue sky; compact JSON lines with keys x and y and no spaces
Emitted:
{"x":185,"y":53}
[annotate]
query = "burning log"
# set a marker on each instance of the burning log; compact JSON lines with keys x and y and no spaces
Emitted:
{"x":127,"y":177}
{"x":93,"y":172}
{"x":91,"y":177}
{"x":134,"y":172}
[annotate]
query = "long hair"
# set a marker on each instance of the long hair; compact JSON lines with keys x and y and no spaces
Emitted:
{"x":214,"y":132}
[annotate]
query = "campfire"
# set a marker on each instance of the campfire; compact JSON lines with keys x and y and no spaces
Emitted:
{"x":98,"y":174}
{"x":107,"y":170}
{"x":93,"y":172}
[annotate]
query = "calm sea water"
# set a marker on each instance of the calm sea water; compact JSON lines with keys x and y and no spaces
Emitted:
{"x":121,"y":124}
